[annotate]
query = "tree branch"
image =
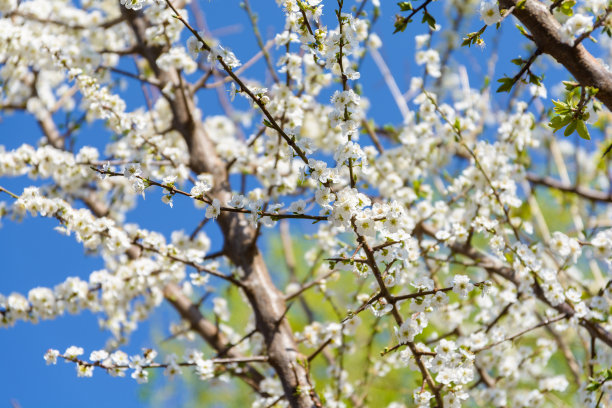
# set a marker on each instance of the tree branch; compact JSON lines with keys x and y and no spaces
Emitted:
{"x":584,"y":192}
{"x":267,"y":301}
{"x":545,"y":29}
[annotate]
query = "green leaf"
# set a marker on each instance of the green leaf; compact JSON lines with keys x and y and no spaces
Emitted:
{"x":567,"y":7}
{"x":561,"y":107}
{"x":597,"y":106}
{"x":570,"y":86}
{"x":534,"y":79}
{"x":592,"y":90}
{"x":428,"y":18}
{"x":405,"y":5}
{"x":582,"y":130}
{"x":400,"y":23}
{"x":522,"y":30}
{"x":457,"y":124}
{"x":506,"y":84}
{"x":267,"y":123}
{"x":559,"y":122}
{"x":593,"y":386}
{"x":570,"y":128}
{"x":470,"y":39}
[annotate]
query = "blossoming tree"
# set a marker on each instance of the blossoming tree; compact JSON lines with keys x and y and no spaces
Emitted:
{"x":436,"y":261}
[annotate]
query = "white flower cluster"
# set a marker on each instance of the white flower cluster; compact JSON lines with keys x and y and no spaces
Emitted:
{"x":164,"y":25}
{"x":126,"y":294}
{"x":576,"y":25}
{"x":177,"y":58}
{"x":118,"y":362}
{"x":453,"y":365}
{"x":489,"y":12}
{"x":441,"y":199}
{"x":217,"y":52}
{"x":346,"y":113}
{"x":428,"y":57}
{"x":133,"y":4}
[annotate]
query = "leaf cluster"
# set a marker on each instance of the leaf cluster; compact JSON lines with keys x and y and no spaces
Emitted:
{"x":508,"y":83}
{"x":571,"y":113}
{"x":402,"y":22}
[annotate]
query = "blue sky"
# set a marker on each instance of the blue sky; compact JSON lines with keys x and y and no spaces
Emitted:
{"x":33,"y":254}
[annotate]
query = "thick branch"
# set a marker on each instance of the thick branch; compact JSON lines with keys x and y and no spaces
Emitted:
{"x":545,"y":30}
{"x":267,"y":301}
{"x":207,"y":330}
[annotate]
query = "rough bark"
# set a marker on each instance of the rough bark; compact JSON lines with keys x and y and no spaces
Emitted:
{"x":545,"y":29}
{"x":267,"y":301}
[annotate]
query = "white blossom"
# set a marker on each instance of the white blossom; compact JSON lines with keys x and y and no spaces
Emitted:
{"x":489,"y":12}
